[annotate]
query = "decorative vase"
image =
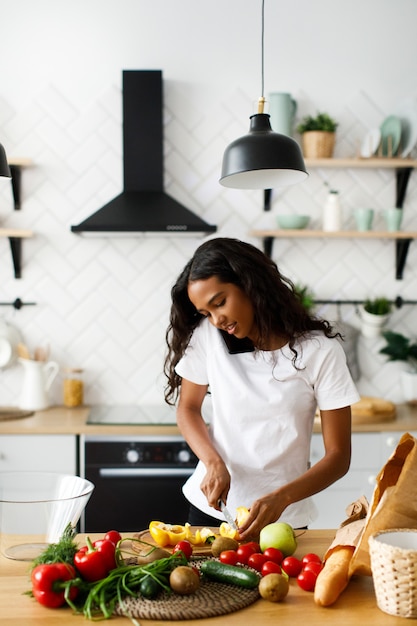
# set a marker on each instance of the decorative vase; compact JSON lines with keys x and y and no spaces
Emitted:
{"x":318,"y":144}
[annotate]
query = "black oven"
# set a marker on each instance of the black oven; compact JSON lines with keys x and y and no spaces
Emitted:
{"x":137,"y":479}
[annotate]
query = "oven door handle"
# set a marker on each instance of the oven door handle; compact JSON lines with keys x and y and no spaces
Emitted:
{"x":137,"y":472}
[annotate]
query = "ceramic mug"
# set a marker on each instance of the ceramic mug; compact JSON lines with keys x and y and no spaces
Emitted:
{"x":393,"y":219}
{"x":282,"y":109}
{"x":364,"y":218}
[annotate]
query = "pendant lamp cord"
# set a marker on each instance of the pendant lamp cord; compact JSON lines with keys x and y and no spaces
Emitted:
{"x":262,"y":49}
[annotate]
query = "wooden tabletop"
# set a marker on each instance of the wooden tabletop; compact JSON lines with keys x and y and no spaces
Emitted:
{"x":356,"y":605}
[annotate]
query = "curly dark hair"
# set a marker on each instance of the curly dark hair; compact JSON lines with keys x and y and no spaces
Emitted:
{"x":277,"y":305}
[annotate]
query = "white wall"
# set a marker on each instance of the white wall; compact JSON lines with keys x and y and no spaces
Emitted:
{"x":103,"y":304}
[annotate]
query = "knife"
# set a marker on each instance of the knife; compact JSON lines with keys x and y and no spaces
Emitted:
{"x":227,"y":515}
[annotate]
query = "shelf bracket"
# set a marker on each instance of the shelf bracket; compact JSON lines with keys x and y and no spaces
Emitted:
{"x":402,"y":176}
{"x":16,"y":172}
{"x":16,"y":249}
{"x":401,"y":251}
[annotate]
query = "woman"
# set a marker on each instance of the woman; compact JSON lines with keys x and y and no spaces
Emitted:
{"x":239,"y":332}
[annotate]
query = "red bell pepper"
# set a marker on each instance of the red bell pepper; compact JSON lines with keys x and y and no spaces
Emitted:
{"x":50,"y":582}
{"x":94,"y":561}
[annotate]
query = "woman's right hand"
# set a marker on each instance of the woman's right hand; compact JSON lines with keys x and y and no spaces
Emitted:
{"x":216,"y":483}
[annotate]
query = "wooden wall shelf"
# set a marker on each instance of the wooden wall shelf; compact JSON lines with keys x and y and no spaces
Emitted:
{"x":15,"y":235}
{"x":403,"y":169}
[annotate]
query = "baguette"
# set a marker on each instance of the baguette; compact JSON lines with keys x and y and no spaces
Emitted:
{"x":334,"y":577}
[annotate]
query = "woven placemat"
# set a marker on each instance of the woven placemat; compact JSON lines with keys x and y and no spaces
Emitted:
{"x":210,"y":600}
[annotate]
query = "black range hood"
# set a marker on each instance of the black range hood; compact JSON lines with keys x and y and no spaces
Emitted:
{"x":143,"y":206}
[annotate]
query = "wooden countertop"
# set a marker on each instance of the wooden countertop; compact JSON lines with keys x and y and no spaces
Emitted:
{"x":60,"y":420}
{"x":356,"y":605}
{"x":357,"y":602}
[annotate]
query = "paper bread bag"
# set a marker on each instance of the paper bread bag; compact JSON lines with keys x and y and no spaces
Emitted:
{"x":394,"y":500}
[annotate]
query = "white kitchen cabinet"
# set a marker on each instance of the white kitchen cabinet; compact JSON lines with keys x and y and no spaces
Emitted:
{"x":370,"y":452}
{"x":48,"y":453}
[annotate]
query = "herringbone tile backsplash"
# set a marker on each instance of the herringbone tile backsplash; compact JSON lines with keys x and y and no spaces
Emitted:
{"x":102,"y":303}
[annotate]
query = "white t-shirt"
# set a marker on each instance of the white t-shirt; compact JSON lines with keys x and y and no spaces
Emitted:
{"x":263,"y":412}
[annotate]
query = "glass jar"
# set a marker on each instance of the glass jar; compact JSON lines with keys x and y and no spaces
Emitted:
{"x":73,"y":387}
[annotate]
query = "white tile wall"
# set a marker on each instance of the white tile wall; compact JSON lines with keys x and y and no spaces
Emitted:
{"x":102,"y":304}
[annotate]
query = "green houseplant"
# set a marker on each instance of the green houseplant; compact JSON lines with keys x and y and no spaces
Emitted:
{"x":374,"y":314}
{"x":400,"y":348}
{"x":318,"y":135}
{"x":306,"y":295}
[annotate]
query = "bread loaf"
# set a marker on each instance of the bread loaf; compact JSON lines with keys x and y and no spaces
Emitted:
{"x":334,"y":577}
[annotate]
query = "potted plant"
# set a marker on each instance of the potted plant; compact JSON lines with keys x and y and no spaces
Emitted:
{"x":400,"y":348}
{"x":318,"y":135}
{"x":306,"y":295}
{"x":374,"y":315}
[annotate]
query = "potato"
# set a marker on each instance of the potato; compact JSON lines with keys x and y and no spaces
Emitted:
{"x":223,"y":543}
{"x":273,"y":587}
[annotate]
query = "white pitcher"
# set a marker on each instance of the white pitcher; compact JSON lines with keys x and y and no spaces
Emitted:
{"x":38,"y":377}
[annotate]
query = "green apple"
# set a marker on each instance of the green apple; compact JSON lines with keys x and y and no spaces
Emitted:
{"x":278,"y":535}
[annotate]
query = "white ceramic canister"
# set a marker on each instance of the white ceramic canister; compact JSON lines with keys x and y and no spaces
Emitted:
{"x":332,"y":212}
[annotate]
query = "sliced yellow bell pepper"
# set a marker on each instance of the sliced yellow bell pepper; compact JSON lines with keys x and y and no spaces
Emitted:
{"x":199,"y":537}
{"x":228,"y":531}
{"x":166,"y":534}
{"x":241,"y":515}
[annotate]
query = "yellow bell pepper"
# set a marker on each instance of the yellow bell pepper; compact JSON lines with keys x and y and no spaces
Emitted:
{"x":199,"y":537}
{"x":166,"y":534}
{"x":241,"y":515}
{"x":228,"y":531}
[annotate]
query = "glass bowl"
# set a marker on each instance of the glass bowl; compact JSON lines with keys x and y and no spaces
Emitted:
{"x":36,"y":508}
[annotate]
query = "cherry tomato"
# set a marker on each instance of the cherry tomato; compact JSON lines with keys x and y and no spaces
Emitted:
{"x":253,"y":544}
{"x":270,"y":567}
{"x":256,"y":560}
{"x":307,"y":580}
{"x":113,"y":535}
{"x":244,"y":551}
{"x":274,"y":554}
{"x":185,"y":547}
{"x":292,"y":566}
{"x":312,"y":566}
{"x":310,"y":557}
{"x":229,"y":557}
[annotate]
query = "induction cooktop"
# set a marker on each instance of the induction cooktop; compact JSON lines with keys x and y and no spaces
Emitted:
{"x":128,"y":415}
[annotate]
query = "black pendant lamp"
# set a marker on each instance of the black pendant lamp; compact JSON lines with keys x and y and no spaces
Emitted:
{"x":4,"y":166}
{"x":262,"y":159}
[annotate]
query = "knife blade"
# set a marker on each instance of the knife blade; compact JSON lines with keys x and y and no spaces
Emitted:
{"x":228,"y":517}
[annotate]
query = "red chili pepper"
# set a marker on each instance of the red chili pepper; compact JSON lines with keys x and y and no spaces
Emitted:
{"x":94,"y":561}
{"x":49,"y":582}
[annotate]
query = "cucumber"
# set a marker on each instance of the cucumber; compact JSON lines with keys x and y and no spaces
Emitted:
{"x":232,"y":574}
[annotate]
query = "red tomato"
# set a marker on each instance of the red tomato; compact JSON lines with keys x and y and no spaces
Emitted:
{"x":229,"y":557}
{"x":254,"y":545}
{"x":307,"y":580}
{"x":274,"y":554}
{"x":256,"y":560}
{"x":185,"y":547}
{"x":312,"y":566}
{"x":270,"y":567}
{"x":113,"y":535}
{"x":244,"y":551}
{"x":310,"y":557}
{"x":292,"y":566}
